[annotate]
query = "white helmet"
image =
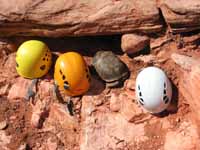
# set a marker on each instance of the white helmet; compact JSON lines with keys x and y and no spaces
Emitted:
{"x":153,"y":89}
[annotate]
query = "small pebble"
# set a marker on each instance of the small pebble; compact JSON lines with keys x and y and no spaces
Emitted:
{"x":178,"y":120}
{"x":98,"y":102}
{"x":3,"y":125}
{"x":23,"y":147}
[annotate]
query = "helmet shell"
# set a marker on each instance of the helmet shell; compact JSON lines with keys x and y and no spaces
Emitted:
{"x":153,"y":89}
{"x":72,"y":74}
{"x":33,"y":59}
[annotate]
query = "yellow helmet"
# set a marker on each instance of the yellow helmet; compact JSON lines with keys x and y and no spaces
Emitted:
{"x":72,"y":74}
{"x":33,"y":59}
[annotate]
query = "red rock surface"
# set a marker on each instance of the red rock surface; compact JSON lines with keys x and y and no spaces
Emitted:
{"x":104,"y":118}
{"x":19,"y":89}
{"x":40,"y":112}
{"x":189,"y":85}
{"x":80,"y":18}
{"x":186,"y":137}
{"x":181,"y":15}
{"x":72,"y":18}
{"x":4,"y":140}
{"x":132,"y":43}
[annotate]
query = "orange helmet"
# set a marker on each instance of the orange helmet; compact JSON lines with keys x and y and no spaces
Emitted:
{"x":72,"y":74}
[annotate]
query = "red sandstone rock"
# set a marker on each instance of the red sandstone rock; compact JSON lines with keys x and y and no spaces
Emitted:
{"x":7,"y":45}
{"x":184,"y":61}
{"x":52,"y":145}
{"x":40,"y":112}
{"x":78,"y":18}
{"x":9,"y":70}
{"x":46,"y":88}
{"x":131,"y":111}
{"x":189,"y":85}
{"x":184,"y":138}
{"x":19,"y":89}
{"x":101,"y":128}
{"x":130,"y":94}
{"x":146,"y":58}
{"x":49,"y":145}
{"x":4,"y":89}
{"x":115,"y":103}
{"x":43,"y":100}
{"x":62,"y":17}
{"x":88,"y":107}
{"x":59,"y":115}
{"x":181,"y":15}
{"x":23,"y":146}
{"x":61,"y":123}
{"x":4,"y":140}
{"x":107,"y":130}
{"x":158,"y":42}
{"x":132,"y":43}
{"x":130,"y":84}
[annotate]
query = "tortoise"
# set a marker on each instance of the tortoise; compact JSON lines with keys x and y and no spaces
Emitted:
{"x":110,"y":68}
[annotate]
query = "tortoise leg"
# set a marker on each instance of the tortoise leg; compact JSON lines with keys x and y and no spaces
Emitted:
{"x":30,"y":93}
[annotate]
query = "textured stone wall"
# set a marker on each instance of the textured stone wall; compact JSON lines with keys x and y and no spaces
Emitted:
{"x":79,"y":18}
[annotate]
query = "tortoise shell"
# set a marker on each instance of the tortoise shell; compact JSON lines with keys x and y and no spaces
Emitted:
{"x":110,"y":68}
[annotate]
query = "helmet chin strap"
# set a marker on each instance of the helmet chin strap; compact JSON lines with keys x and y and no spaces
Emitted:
{"x":58,"y":97}
{"x":30,"y":93}
{"x":70,"y":106}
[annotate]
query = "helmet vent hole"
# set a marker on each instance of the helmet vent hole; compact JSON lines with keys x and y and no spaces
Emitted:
{"x":46,"y":54}
{"x":164,"y":85}
{"x":141,"y":99}
{"x":61,"y":72}
{"x":17,"y":65}
{"x":47,"y":59}
{"x":140,"y":93}
{"x":87,"y":76}
{"x":165,"y":91}
{"x":141,"y":103}
{"x":42,"y":67}
{"x":139,"y":87}
{"x":165,"y":99}
{"x":63,"y":77}
{"x":66,"y":85}
{"x":43,"y":59}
